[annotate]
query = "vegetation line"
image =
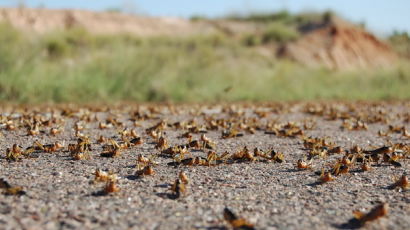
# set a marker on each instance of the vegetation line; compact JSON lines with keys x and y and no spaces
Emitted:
{"x":76,"y":66}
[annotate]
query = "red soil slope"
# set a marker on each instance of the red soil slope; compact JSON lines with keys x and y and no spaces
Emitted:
{"x":340,"y":46}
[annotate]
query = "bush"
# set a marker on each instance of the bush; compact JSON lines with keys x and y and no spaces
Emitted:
{"x":10,"y":43}
{"x":400,"y":41}
{"x":252,"y":40}
{"x":56,"y":48}
{"x":277,"y":32}
{"x":65,"y":43}
{"x":281,"y":17}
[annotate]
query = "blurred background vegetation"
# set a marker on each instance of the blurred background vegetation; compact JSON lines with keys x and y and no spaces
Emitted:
{"x":76,"y":66}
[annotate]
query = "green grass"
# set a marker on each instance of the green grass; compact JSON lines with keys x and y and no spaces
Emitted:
{"x":74,"y":66}
{"x":283,"y":16}
{"x":400,"y":41}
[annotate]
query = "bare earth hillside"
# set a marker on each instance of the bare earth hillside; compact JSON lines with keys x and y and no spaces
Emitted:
{"x":339,"y":45}
{"x":44,"y":20}
{"x":335,"y":45}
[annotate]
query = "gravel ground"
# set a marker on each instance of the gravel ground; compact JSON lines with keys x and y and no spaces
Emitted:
{"x":61,"y":194}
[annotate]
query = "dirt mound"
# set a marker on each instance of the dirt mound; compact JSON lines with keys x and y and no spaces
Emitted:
{"x":44,"y":20}
{"x":339,"y":45}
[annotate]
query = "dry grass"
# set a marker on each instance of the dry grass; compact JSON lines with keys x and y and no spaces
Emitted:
{"x":75,"y":66}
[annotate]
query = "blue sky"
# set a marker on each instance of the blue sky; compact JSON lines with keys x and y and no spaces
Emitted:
{"x":381,"y":16}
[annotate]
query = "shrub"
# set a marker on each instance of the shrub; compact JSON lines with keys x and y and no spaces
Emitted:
{"x":252,"y":40}
{"x":400,"y":41}
{"x":10,"y":42}
{"x":280,"y":33}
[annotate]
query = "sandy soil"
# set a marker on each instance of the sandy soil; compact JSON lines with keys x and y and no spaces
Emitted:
{"x":61,"y":194}
{"x":43,"y":21}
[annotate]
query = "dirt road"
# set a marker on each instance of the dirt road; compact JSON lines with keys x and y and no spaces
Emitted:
{"x":267,"y":191}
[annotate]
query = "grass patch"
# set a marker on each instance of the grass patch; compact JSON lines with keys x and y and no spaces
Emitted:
{"x":400,"y":41}
{"x":74,"y":66}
